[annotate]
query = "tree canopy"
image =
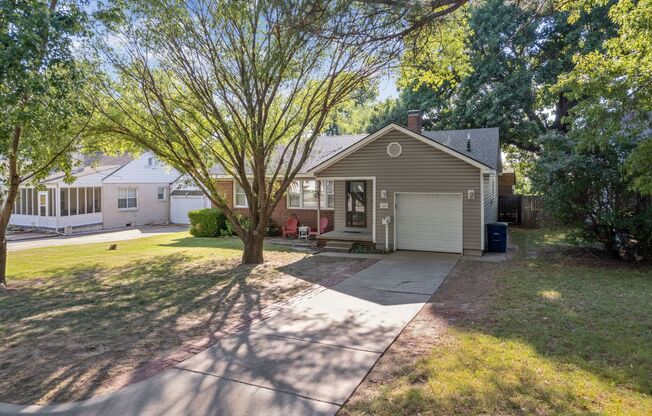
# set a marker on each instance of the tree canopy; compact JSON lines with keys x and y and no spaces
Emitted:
{"x":501,"y":64}
{"x":41,"y":81}
{"x":613,"y":87}
{"x":246,"y":87}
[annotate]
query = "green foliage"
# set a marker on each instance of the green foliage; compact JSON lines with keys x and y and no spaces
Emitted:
{"x":587,"y":186}
{"x":439,"y":54}
{"x":273,"y":230}
{"x":243,"y":221}
{"x":235,"y":83}
{"x":394,"y":110}
{"x":599,"y":176}
{"x":506,"y":60}
{"x":522,"y":162}
{"x":352,"y":116}
{"x":207,"y":222}
{"x":612,"y":86}
{"x":41,"y":82}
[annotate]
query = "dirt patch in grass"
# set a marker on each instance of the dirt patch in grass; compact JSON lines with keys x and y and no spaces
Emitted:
{"x":69,"y":335}
{"x":552,"y":331}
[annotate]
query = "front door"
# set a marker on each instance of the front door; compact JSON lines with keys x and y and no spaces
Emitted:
{"x":43,"y":209}
{"x":356,"y":204}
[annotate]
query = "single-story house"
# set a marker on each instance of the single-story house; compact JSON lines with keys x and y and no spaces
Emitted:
{"x":397,"y":188}
{"x":106,"y":192}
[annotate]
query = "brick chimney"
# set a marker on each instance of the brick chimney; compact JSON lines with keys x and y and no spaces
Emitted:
{"x":415,"y":120}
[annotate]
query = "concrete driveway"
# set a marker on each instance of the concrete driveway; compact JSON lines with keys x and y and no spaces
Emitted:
{"x":104,"y":236}
{"x":307,"y":360}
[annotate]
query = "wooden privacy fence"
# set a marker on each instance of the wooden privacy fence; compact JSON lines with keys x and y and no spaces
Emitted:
{"x":523,"y":210}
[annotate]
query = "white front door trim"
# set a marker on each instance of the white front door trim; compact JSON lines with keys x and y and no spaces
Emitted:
{"x":373,"y":199}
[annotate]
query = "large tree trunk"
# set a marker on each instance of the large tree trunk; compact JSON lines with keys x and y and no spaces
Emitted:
{"x":253,"y":248}
{"x":562,"y":107}
{"x":3,"y":260}
{"x":5,"y":214}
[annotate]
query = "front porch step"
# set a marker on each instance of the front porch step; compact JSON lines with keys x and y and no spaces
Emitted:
{"x":337,"y":246}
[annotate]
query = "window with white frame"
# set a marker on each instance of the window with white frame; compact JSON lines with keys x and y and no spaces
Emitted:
{"x":76,"y":201}
{"x":327,"y":194}
{"x":160,"y":193}
{"x":239,"y":196}
{"x":127,"y":198}
{"x":302,"y":194}
{"x":308,"y":194}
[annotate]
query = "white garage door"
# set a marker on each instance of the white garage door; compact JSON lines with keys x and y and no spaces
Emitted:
{"x":429,"y":222}
{"x":180,"y":206}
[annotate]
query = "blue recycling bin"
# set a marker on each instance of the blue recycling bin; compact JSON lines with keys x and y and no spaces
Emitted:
{"x":497,"y":237}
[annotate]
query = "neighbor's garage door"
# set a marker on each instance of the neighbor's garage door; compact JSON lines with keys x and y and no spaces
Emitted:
{"x":181,"y":205}
{"x":429,"y":222}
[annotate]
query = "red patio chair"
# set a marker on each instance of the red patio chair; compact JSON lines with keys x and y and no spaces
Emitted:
{"x":323,"y":224}
{"x":292,"y":228}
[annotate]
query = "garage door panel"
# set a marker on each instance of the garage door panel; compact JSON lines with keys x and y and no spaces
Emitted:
{"x":180,"y":206}
{"x":431,"y":222}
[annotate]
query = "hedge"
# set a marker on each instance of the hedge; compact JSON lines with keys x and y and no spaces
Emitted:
{"x":208,"y":222}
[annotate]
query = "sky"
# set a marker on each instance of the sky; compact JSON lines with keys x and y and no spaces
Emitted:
{"x":387,"y":87}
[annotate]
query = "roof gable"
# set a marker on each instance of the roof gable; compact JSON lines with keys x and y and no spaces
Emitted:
{"x":142,"y":170}
{"x":427,"y":140}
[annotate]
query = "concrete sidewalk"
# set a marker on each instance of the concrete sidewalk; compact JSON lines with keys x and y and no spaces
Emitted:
{"x":104,"y":236}
{"x":307,"y":360}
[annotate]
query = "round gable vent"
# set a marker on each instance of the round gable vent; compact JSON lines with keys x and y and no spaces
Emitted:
{"x":394,"y":149}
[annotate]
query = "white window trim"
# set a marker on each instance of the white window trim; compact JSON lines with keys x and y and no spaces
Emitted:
{"x":287,"y":196}
{"x":165,"y":194}
{"x":235,"y":187}
{"x":137,"y":198}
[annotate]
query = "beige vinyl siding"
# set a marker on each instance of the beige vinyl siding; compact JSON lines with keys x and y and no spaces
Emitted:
{"x":490,"y":200}
{"x":419,"y":168}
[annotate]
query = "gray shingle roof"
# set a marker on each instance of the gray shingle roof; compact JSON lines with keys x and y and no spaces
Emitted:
{"x":86,"y":171}
{"x":323,"y":149}
{"x":326,"y":147}
{"x":485,"y":144}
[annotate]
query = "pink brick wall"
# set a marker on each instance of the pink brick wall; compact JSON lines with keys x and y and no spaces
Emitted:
{"x":281,"y":213}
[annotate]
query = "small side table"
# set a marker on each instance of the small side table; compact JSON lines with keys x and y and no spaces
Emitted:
{"x":303,"y":233}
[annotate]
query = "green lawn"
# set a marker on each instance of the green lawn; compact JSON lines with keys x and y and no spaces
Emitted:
{"x":51,"y":261}
{"x":563,"y":332}
{"x":79,"y":316}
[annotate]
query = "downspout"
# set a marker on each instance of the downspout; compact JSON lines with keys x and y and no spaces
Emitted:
{"x":387,"y":234}
{"x":318,"y":185}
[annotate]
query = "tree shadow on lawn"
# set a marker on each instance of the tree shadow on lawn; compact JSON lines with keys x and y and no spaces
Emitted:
{"x":65,"y":336}
{"x":544,"y":335}
{"x":582,"y":316}
{"x":233,"y":243}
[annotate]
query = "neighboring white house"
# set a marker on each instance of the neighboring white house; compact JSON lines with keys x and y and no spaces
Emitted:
{"x":138,"y":193}
{"x":60,"y":204}
{"x":108,"y":192}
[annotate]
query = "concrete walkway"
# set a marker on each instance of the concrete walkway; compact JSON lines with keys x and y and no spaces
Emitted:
{"x":105,"y":236}
{"x":307,"y":360}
